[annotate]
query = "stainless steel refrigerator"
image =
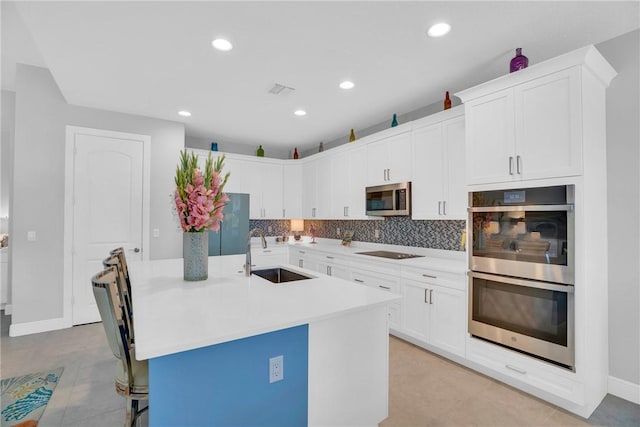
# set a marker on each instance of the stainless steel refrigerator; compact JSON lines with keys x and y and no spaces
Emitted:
{"x":234,"y":229}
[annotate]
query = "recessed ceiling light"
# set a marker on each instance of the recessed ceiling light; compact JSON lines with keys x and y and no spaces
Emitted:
{"x":300,"y":113}
{"x":222,"y":44}
{"x":439,"y":29}
{"x":184,"y":113}
{"x":347,"y":84}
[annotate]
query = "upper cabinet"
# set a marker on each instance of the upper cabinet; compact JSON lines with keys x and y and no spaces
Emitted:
{"x":292,"y":189}
{"x":389,"y":159}
{"x":529,"y":124}
{"x":438,"y":186}
{"x":348,"y":182}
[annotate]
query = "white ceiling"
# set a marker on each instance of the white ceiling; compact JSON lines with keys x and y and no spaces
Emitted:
{"x":155,"y":58}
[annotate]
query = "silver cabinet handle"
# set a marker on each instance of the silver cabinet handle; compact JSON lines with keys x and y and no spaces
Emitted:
{"x":388,"y":174}
{"x":301,"y":252}
{"x":330,"y":257}
{"x":313,"y":212}
{"x":510,"y":165}
{"x":439,"y":205}
{"x":429,"y":276}
{"x":328,"y":270}
{"x":425,"y":296}
{"x":300,"y":263}
{"x":283,"y":214}
{"x":136,"y":250}
{"x":358,"y":280}
{"x":384,"y":287}
{"x":518,"y":165}
{"x":430,"y":296}
{"x":518,"y":370}
{"x":444,"y":207}
{"x":264,"y":251}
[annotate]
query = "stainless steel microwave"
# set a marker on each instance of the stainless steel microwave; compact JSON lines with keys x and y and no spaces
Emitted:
{"x":389,"y":199}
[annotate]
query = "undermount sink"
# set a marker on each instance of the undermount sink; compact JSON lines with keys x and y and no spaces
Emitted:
{"x":280,"y":275}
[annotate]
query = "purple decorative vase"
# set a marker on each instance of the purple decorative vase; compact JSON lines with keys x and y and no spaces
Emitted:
{"x":519,"y":61}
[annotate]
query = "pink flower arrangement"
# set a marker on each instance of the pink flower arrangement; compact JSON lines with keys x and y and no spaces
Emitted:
{"x":199,"y":197}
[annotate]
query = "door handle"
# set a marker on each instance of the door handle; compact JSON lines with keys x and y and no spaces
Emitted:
{"x":510,"y":165}
{"x":136,"y":250}
{"x":518,"y":165}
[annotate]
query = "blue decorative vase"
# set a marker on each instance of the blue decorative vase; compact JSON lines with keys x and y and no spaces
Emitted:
{"x":195,"y":251}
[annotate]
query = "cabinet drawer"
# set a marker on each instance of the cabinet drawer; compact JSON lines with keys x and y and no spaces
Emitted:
{"x":438,"y":278}
{"x":536,"y":373}
{"x":390,"y":284}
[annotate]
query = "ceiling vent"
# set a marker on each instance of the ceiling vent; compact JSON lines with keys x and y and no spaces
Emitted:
{"x":279,"y":89}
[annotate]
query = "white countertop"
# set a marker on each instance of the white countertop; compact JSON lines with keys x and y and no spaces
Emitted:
{"x":172,"y":315}
{"x":431,"y":259}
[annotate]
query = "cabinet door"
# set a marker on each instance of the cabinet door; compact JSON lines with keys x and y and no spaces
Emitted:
{"x":389,"y":160}
{"x":455,"y":199}
{"x":415,"y":310}
{"x":340,"y":185}
{"x":309,"y":185}
{"x":399,"y":152}
{"x":324,"y":195}
{"x":428,"y":171}
{"x":448,"y":319}
{"x":490,"y":138}
{"x":356,"y":199}
{"x":548,"y":126}
{"x":270,"y":180}
{"x":292,"y":190}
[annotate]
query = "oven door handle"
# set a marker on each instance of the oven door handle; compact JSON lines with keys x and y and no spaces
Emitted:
{"x":523,"y":282}
{"x":537,"y":208}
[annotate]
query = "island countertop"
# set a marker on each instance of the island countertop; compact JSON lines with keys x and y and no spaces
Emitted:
{"x":172,"y":315}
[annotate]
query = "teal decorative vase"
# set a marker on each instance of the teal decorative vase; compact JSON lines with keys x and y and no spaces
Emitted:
{"x":195,"y":251}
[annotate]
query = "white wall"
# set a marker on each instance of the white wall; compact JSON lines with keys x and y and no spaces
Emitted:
{"x":623,"y":187}
{"x":6,"y":144}
{"x":237,"y":148}
{"x":41,"y":114}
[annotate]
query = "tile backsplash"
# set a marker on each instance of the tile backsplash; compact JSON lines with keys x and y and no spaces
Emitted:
{"x":391,"y":230}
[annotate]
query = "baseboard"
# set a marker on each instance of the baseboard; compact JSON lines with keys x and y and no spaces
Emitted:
{"x":624,"y":389}
{"x":19,"y":329}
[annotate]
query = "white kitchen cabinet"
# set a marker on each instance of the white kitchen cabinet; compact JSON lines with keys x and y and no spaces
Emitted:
{"x":438,"y":185}
{"x":348,"y":182}
{"x":309,"y":190}
{"x":266,"y":191}
{"x":292,"y":190}
{"x":434,"y":310}
{"x":530,"y":130}
{"x":386,"y":283}
{"x":324,"y":194}
{"x":333,"y":265}
{"x":271,"y":256}
{"x":261,"y":178}
{"x":389,"y":160}
{"x":303,"y":258}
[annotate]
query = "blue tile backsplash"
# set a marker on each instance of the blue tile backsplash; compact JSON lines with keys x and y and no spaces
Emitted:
{"x":392,"y":230}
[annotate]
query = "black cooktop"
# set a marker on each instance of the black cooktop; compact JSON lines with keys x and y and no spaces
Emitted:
{"x":390,"y":255}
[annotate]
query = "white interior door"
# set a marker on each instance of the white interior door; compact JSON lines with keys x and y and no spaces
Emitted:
{"x":107,"y":210}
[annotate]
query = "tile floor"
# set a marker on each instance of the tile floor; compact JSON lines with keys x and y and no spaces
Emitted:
{"x":425,"y":390}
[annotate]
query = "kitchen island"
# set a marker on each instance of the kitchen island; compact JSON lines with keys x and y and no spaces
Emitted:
{"x":209,"y":346}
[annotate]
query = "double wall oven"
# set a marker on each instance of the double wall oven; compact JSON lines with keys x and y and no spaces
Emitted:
{"x":521,"y":279}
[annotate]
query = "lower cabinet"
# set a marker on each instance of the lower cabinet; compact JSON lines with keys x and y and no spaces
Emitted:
{"x":385,"y":283}
{"x":434,"y":314}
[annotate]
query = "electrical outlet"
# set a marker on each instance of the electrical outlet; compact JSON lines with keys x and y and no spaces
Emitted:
{"x":31,"y":236}
{"x":376,"y":233}
{"x":276,"y":369}
{"x":338,"y":231}
{"x":156,"y":232}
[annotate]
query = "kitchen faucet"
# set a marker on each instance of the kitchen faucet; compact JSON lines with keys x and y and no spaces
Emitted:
{"x":247,"y":263}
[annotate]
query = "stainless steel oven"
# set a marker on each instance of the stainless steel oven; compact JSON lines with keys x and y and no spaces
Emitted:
{"x":527,"y":315}
{"x":521,"y":277}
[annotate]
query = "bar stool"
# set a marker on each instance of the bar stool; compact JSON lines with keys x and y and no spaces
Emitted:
{"x":131,"y":375}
